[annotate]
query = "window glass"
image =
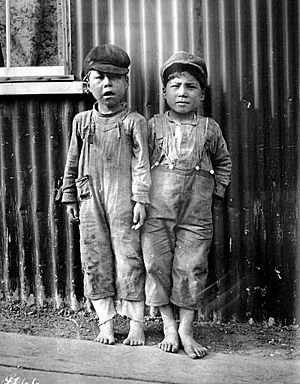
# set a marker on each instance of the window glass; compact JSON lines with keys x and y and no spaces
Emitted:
{"x":36,"y":33}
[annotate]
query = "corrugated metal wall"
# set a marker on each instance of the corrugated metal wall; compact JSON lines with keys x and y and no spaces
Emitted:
{"x":39,"y":250}
{"x":252,"y":51}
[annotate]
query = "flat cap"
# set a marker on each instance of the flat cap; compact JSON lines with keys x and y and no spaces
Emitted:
{"x":184,"y":60}
{"x":107,"y":58}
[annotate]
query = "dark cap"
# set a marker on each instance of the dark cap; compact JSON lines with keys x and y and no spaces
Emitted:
{"x":107,"y":58}
{"x":181,"y":61}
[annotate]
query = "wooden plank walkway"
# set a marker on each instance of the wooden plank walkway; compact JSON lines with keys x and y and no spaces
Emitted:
{"x":40,"y":360}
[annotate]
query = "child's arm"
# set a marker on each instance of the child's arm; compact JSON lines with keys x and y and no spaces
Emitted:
{"x":69,"y":190}
{"x":151,"y":138}
{"x":140,"y":171}
{"x":140,"y":167}
{"x":221,"y":162}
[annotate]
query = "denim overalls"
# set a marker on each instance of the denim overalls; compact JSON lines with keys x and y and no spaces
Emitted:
{"x":177,"y":235}
{"x":110,"y":157}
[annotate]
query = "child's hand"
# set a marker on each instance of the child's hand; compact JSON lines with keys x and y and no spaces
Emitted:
{"x":218,"y":203}
{"x":139,"y":216}
{"x":73,"y":212}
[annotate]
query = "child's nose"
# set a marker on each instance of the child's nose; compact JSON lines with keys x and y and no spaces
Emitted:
{"x":106,"y":80}
{"x":182,"y":90}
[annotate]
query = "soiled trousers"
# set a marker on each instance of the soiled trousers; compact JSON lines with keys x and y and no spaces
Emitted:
{"x":177,"y":236}
{"x":110,"y":252}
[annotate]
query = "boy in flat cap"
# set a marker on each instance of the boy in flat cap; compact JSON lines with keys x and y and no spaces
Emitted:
{"x":190,"y":163}
{"x":105,"y":187}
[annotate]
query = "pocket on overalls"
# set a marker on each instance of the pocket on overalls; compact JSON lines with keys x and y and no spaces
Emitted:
{"x":83,"y":188}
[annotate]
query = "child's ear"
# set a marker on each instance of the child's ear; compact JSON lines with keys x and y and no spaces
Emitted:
{"x":127,"y":81}
{"x":86,"y":84}
{"x":164,"y":92}
{"x":202,"y":97}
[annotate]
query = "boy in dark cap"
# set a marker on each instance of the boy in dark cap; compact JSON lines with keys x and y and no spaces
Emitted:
{"x":190,"y":163}
{"x":105,"y":187}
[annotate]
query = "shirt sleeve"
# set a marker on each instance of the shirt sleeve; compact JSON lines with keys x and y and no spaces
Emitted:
{"x":71,"y":168}
{"x":140,"y":162}
{"x":221,"y":161}
{"x":151,"y":138}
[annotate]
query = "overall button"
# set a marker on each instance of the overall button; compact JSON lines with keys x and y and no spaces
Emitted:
{"x":156,"y":163}
{"x":197,"y":167}
{"x":171,"y":166}
{"x":211,"y":171}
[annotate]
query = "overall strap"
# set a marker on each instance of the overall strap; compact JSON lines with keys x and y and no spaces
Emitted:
{"x":160,"y":134}
{"x":91,"y":128}
{"x":204,"y":139}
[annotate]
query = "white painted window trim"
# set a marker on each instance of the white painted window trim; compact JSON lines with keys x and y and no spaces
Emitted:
{"x":10,"y":73}
{"x":42,"y":88}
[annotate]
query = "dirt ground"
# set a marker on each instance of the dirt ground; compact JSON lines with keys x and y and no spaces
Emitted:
{"x":267,"y":339}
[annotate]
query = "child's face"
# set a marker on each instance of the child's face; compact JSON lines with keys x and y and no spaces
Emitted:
{"x":183,"y":93}
{"x":108,"y":89}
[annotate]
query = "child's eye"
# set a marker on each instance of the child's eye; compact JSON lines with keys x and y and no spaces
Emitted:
{"x":99,"y":77}
{"x":115,"y":77}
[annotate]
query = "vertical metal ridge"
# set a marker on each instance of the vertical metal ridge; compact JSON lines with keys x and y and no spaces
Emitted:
{"x":160,"y":49}
{"x":238,"y":32}
{"x":128,"y":36}
{"x":3,"y":193}
{"x":223,"y":46}
{"x":270,"y":27}
{"x":254,"y":37}
{"x":79,"y":36}
{"x":96,"y":25}
{"x":111,"y":21}
{"x":52,"y":221}
{"x":145,"y":84}
{"x":191,"y":26}
{"x":34,"y":125}
{"x":20,"y":201}
{"x":175,"y":28}
{"x":207,"y":50}
{"x":297,"y":123}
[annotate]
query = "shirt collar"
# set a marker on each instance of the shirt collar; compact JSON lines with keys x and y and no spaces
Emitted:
{"x":108,"y":115}
{"x":193,"y":121}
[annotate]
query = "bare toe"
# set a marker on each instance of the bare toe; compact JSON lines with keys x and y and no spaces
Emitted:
{"x":201,"y":352}
{"x":189,"y":350}
{"x":136,"y":335}
{"x":105,"y":340}
{"x":106,"y":335}
{"x":170,"y":343}
{"x":193,"y":349}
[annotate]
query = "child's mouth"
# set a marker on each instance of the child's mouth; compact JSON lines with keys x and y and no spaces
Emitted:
{"x":108,"y":94}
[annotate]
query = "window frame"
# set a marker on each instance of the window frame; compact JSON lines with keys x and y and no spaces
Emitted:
{"x":40,"y":79}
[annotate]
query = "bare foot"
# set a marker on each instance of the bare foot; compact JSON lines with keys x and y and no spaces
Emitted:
{"x":191,"y":347}
{"x":170,"y":343}
{"x":136,"y":335}
{"x":106,"y":335}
